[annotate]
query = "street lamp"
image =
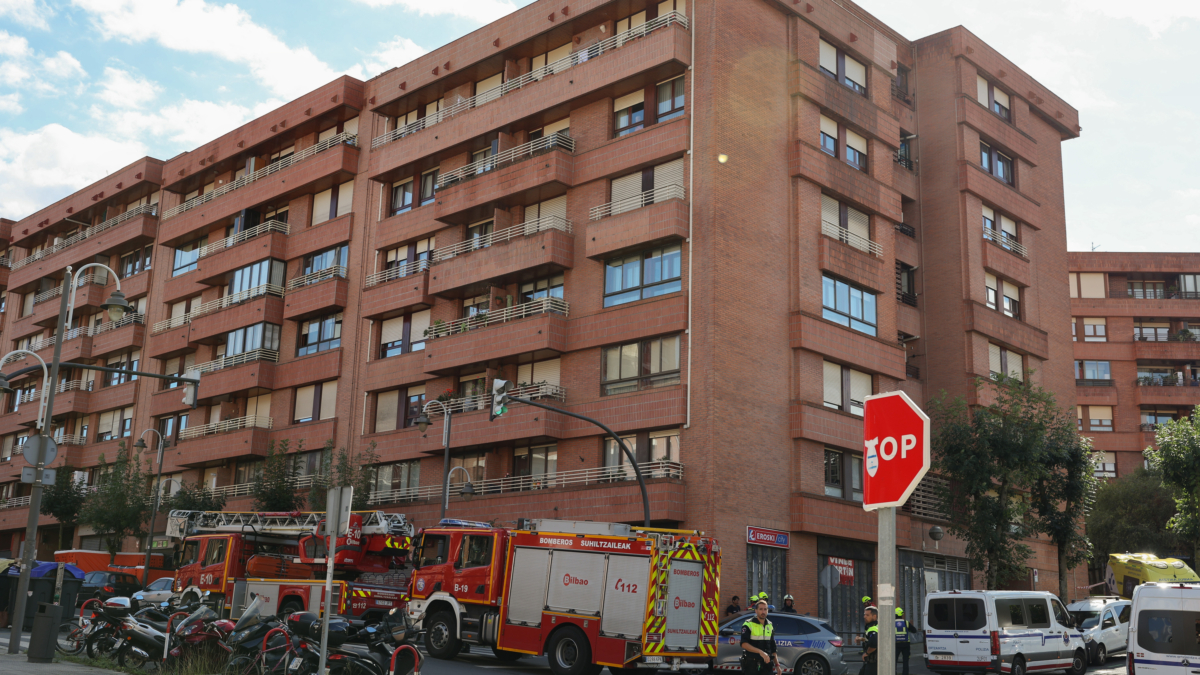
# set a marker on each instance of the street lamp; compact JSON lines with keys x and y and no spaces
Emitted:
{"x":423,"y":424}
{"x":6,"y":388}
{"x":141,"y":445}
{"x":467,"y":490}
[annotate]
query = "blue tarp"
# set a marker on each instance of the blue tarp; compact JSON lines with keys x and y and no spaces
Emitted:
{"x":46,"y":569}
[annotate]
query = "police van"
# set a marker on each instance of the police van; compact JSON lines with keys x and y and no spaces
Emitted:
{"x":1008,"y":632}
{"x":1164,"y":633}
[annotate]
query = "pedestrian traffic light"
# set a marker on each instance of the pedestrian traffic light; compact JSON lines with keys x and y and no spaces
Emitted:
{"x":189,"y":389}
{"x":500,"y":389}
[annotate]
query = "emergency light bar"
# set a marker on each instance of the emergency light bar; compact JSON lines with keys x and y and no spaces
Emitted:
{"x":455,"y":522}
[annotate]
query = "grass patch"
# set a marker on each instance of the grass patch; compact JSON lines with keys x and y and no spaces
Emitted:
{"x":192,"y":664}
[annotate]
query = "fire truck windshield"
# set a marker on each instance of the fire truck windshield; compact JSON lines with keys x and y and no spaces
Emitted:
{"x":433,"y":549}
{"x":191,"y":552}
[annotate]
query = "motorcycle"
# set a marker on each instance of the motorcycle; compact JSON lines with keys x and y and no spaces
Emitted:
{"x":382,"y":649}
{"x":182,"y":636}
{"x":259,"y":642}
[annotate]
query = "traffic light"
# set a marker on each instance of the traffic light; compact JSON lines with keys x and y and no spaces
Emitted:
{"x":500,"y":389}
{"x":189,"y":389}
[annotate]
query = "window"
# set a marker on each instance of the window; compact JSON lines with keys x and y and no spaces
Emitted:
{"x":1092,"y":370}
{"x":247,"y":471}
{"x":22,"y":395}
{"x":250,"y":338}
{"x":473,"y":462}
{"x":170,"y":425}
{"x":433,"y":549}
{"x":846,"y":224}
{"x":535,"y":461}
{"x":329,"y":259}
{"x":398,"y":476}
{"x":136,"y":262}
{"x":1087,"y":285}
{"x":1094,"y":330}
{"x":642,"y":188}
{"x":1151,"y":331}
{"x":1001,"y":360}
{"x":629,"y":112}
{"x":177,"y":366}
{"x":332,"y":203}
{"x":255,"y":277}
{"x":848,"y":305}
{"x":403,"y":334}
{"x":478,"y":234}
{"x":187,"y":255}
{"x":641,"y":365}
{"x":546,"y":287}
{"x":1009,"y":303}
{"x":660,"y":446}
{"x":476,"y":551}
{"x":316,"y":402}
{"x":402,"y":196}
{"x":214,"y":552}
{"x":476,"y":306}
{"x":1100,"y":418}
{"x":1146,"y":290}
{"x":398,"y":408}
{"x":835,"y":63}
{"x":647,"y":274}
{"x":405,"y":258}
{"x":669,"y":97}
{"x":996,"y":163}
{"x":318,"y":335}
{"x":279,"y":215}
{"x":429,"y":186}
{"x":115,"y":424}
{"x":1106,"y":465}
{"x":906,"y":285}
{"x":992,"y":98}
{"x":128,"y":361}
{"x":1152,"y":418}
{"x":846,"y":388}
{"x":838,"y":465}
{"x":853,"y":146}
{"x":308,"y":463}
{"x":999,"y":228}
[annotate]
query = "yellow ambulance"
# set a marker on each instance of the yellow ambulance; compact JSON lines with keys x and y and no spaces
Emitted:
{"x":1127,"y":570}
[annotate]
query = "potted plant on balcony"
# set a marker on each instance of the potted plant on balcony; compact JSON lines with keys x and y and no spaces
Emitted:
{"x":449,"y":395}
{"x":1185,"y":335}
{"x":436,"y":329}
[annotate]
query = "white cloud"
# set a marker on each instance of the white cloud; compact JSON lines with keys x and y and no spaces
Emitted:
{"x":224,"y":31}
{"x":390,"y":54}
{"x":11,"y":103}
{"x":42,"y":166}
{"x":13,"y":73}
{"x":63,"y":65}
{"x":30,"y":13}
{"x":13,"y":45}
{"x":481,"y":11}
{"x":182,"y":126}
{"x":1156,"y":15}
{"x":123,"y":90}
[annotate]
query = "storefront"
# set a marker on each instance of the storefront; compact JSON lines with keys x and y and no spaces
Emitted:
{"x":766,"y":562}
{"x":922,"y":573}
{"x":844,"y":576}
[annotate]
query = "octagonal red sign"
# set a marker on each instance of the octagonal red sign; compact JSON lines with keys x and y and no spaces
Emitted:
{"x":895,"y":449}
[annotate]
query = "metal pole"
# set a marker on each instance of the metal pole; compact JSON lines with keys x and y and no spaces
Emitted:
{"x":154,"y":511}
{"x":35,"y":496}
{"x":446,"y":462}
{"x":887,"y":591}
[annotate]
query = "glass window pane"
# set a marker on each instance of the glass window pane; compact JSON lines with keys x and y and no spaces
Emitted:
{"x":630,"y":361}
{"x":843,"y":297}
{"x":827,"y":292}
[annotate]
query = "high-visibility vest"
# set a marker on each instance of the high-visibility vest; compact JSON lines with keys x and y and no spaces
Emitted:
{"x":759,"y":631}
{"x":901,"y":630}
{"x":873,"y":629}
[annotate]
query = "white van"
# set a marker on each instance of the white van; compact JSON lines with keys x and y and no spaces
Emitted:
{"x":1104,"y":624}
{"x":1164,"y":633}
{"x":1009,"y":632}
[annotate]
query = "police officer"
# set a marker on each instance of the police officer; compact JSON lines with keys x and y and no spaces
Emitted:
{"x":871,"y":642}
{"x":902,"y":632}
{"x":758,"y":643}
{"x":789,"y":604}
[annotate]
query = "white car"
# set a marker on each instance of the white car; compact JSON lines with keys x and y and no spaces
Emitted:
{"x":1104,"y":623}
{"x":1164,"y":631}
{"x":1009,"y":632}
{"x":156,"y":593}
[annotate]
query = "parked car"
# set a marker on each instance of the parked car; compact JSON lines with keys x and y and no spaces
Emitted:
{"x":1163,"y":630}
{"x":807,"y":646}
{"x":1104,"y":623}
{"x":156,"y":592}
{"x":105,"y":585}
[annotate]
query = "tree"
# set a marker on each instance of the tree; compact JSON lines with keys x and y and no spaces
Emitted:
{"x":1064,"y":495}
{"x":1131,"y":515}
{"x":275,"y":488}
{"x":64,"y":500}
{"x":992,"y":457}
{"x":342,"y":470}
{"x":119,"y":506}
{"x":193,"y":497}
{"x":1177,"y":457}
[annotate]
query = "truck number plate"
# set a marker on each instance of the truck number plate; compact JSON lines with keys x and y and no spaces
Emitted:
{"x":941,"y":657}
{"x":654,"y":659}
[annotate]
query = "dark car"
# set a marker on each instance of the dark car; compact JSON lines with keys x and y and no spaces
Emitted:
{"x":105,"y":585}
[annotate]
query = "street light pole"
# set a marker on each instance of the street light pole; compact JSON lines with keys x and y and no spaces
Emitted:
{"x":141,"y":445}
{"x":423,"y":424}
{"x":468,"y":489}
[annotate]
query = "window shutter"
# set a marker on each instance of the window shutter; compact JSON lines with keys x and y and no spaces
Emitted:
{"x":990,"y":280}
{"x":386,"y":404}
{"x":548,"y":371}
{"x":304,"y":402}
{"x":628,"y":100}
{"x":855,"y":141}
{"x":1016,"y":366}
{"x":425,"y":245}
{"x":1101,"y":322}
{"x":1091,"y":285}
{"x":172,"y":367}
{"x":1011,"y":291}
{"x":536,"y":62}
{"x":1100,"y":412}
{"x":345,"y":198}
{"x":525,"y":373}
{"x":350,"y":126}
{"x":670,"y":173}
{"x":989,"y":213}
{"x":420,"y":323}
{"x":259,"y":405}
{"x":859,"y":223}
{"x":829,"y":57}
{"x":486,"y":85}
{"x":833,"y":384}
{"x":994,"y":358}
{"x":214,"y":413}
{"x":329,"y":399}
{"x":559,"y":54}
{"x":625,"y":188}
{"x":1073,"y":282}
{"x":831,"y":211}
{"x":553,"y":207}
{"x":392,"y":330}
{"x":1008,"y":225}
{"x":189,"y":362}
{"x":669,"y":5}
{"x":106,"y":422}
{"x":856,"y":72}
{"x":1001,"y":97}
{"x":554,"y":127}
{"x":320,"y":211}
{"x":416,"y":390}
{"x":8,"y":446}
{"x":328,"y":133}
{"x":860,"y":386}
{"x":981,"y":90}
{"x":829,"y":127}
{"x":1110,"y":458}
{"x":178,"y":309}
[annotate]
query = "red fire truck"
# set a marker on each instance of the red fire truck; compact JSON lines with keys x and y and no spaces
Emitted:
{"x":587,"y":594}
{"x":281,"y":556}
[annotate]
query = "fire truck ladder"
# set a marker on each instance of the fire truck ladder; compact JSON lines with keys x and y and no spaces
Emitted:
{"x":182,"y":523}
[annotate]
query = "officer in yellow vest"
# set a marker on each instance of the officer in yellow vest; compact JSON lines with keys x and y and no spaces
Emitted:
{"x":758,"y":643}
{"x":871,"y":642}
{"x":903,"y":650}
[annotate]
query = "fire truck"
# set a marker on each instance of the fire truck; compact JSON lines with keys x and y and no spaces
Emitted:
{"x":587,"y":594}
{"x":282,"y":557}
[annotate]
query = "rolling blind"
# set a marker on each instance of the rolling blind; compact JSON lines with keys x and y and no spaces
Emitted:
{"x":628,"y":100}
{"x":345,"y":198}
{"x":329,"y":399}
{"x":831,"y":211}
{"x":1008,"y":225}
{"x":989,"y":213}
{"x":1016,"y":366}
{"x":670,"y":173}
{"x":350,"y":126}
{"x":214,"y":413}
{"x":321,"y":201}
{"x":1091,"y":284}
{"x":856,"y":72}
{"x":386,"y":404}
{"x":420,"y":323}
{"x":990,"y":280}
{"x":328,"y":133}
{"x":304,"y":402}
{"x":855,"y":141}
{"x":6,"y":451}
{"x":391,"y":330}
{"x":1011,"y":291}
{"x":981,"y":87}
{"x":625,"y":188}
{"x":858,"y":222}
{"x":259,"y":405}
{"x":554,"y":127}
{"x":548,"y":208}
{"x":559,"y":54}
{"x":431,"y":113}
{"x":833,"y":384}
{"x":860,"y":386}
{"x":669,"y":5}
{"x":172,"y":367}
{"x":994,"y":358}
{"x":1100,"y":412}
{"x":542,"y":371}
{"x":493,"y":82}
{"x":1001,"y":97}
{"x":106,"y":422}
{"x":829,"y":127}
{"x":829,"y":57}
{"x":1073,"y":281}
{"x":1101,"y":322}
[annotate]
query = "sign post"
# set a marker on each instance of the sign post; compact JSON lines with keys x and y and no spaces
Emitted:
{"x":337,"y":523}
{"x":895,"y":458}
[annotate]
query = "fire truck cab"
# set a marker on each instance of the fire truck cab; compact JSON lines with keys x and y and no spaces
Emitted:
{"x":587,"y":594}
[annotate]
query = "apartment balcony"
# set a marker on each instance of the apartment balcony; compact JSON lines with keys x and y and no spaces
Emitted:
{"x":245,"y":373}
{"x":169,"y":342}
{"x":128,"y":230}
{"x":545,"y":243}
{"x":1007,"y":330}
{"x":111,"y":336}
{"x":972,"y":178}
{"x":5,"y":268}
{"x":1171,"y":348}
{"x":994,"y":128}
{"x":854,"y":258}
{"x":393,"y":291}
{"x":521,"y":422}
{"x":1006,"y":257}
{"x":660,"y":47}
{"x":261,"y":303}
{"x":655,"y":216}
{"x":228,"y":439}
{"x":334,"y":156}
{"x":1092,"y":383}
{"x":316,"y":294}
{"x":1170,"y":391}
{"x":46,"y":304}
{"x":815,"y":334}
{"x":505,"y":176}
{"x":78,"y":345}
{"x":404,"y":369}
{"x":1155,"y":294}
{"x":860,"y":110}
{"x":530,"y":327}
{"x":219,"y":258}
{"x":111,"y":397}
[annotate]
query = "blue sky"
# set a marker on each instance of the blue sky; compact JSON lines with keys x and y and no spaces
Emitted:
{"x":87,"y":86}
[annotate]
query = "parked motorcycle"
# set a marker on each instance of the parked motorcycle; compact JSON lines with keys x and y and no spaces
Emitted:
{"x":181,"y":636}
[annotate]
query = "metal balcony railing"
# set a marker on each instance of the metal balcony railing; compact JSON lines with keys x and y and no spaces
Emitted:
{"x":217,"y":305}
{"x":1088,"y":382}
{"x":926,"y":501}
{"x":56,"y":291}
{"x":70,"y":439}
{"x":247,"y":489}
{"x":1165,"y":335}
{"x":481,"y":402}
{"x":75,"y":385}
{"x":334,"y":272}
{"x":575,"y":58}
{"x":268,"y":355}
{"x":27,"y":397}
{"x":849,"y":238}
{"x":1148,"y":426}
{"x":1005,"y":241}
{"x":243,"y":236}
{"x":235,"y":424}
{"x":91,"y":331}
{"x":397,"y":272}
{"x":909,"y":299}
{"x":600,"y":475}
{"x":904,"y":161}
{"x":1155,"y":294}
{"x":906,"y":230}
{"x":510,"y":156}
{"x":912,"y":371}
{"x":5,"y":262}
{"x":1166,"y":381}
{"x":637,"y":201}
{"x":529,"y":227}
{"x":15,"y":502}
{"x":343,"y":138}
{"x":901,"y":94}
{"x":490,"y":318}
{"x":85,"y":234}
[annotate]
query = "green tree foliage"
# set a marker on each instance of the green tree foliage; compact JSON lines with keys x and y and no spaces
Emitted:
{"x":342,"y":469}
{"x":64,"y":501}
{"x":275,"y":488}
{"x":1177,"y":457}
{"x":1063,"y":496}
{"x":120,"y":506}
{"x":192,"y":496}
{"x":1131,"y":515}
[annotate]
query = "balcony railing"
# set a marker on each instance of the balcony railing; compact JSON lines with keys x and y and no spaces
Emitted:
{"x":5,"y":262}
{"x":1090,"y":382}
{"x":217,"y":305}
{"x":27,"y":397}
{"x":1005,"y":241}
{"x":1149,"y":426}
{"x":1155,"y":294}
{"x":847,"y":237}
{"x":912,"y":371}
{"x":600,"y":475}
{"x":528,"y":228}
{"x":906,"y":230}
{"x":247,"y":422}
{"x":904,"y":161}
{"x":70,"y":439}
{"x":247,"y":489}
{"x":926,"y":500}
{"x":268,"y":355}
{"x":273,"y":168}
{"x":398,"y":272}
{"x":243,"y":236}
{"x":646,"y":198}
{"x":15,"y":502}
{"x":909,"y":299}
{"x":510,"y":156}
{"x":334,"y":272}
{"x":490,"y":318}
{"x":56,"y":291}
{"x":1164,"y":335}
{"x":481,"y":402}
{"x":75,"y":385}
{"x":1165,"y":381}
{"x":575,"y":58}
{"x":85,"y":234}
{"x":901,"y":94}
{"x":91,"y":331}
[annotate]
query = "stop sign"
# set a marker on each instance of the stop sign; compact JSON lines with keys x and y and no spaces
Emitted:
{"x":895,"y":449}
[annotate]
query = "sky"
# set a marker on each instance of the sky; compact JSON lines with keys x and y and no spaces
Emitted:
{"x":87,"y":86}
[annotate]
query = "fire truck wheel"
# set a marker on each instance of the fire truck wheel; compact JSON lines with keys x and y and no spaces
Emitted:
{"x":570,"y":654}
{"x":441,"y":637}
{"x":290,"y":606}
{"x":505,"y":655}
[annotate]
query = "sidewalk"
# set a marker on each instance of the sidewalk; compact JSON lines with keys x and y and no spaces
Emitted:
{"x":18,"y":664}
{"x":916,"y":663}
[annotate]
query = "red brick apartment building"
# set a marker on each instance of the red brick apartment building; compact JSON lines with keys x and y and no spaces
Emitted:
{"x":849,"y":212}
{"x":1136,"y":324}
